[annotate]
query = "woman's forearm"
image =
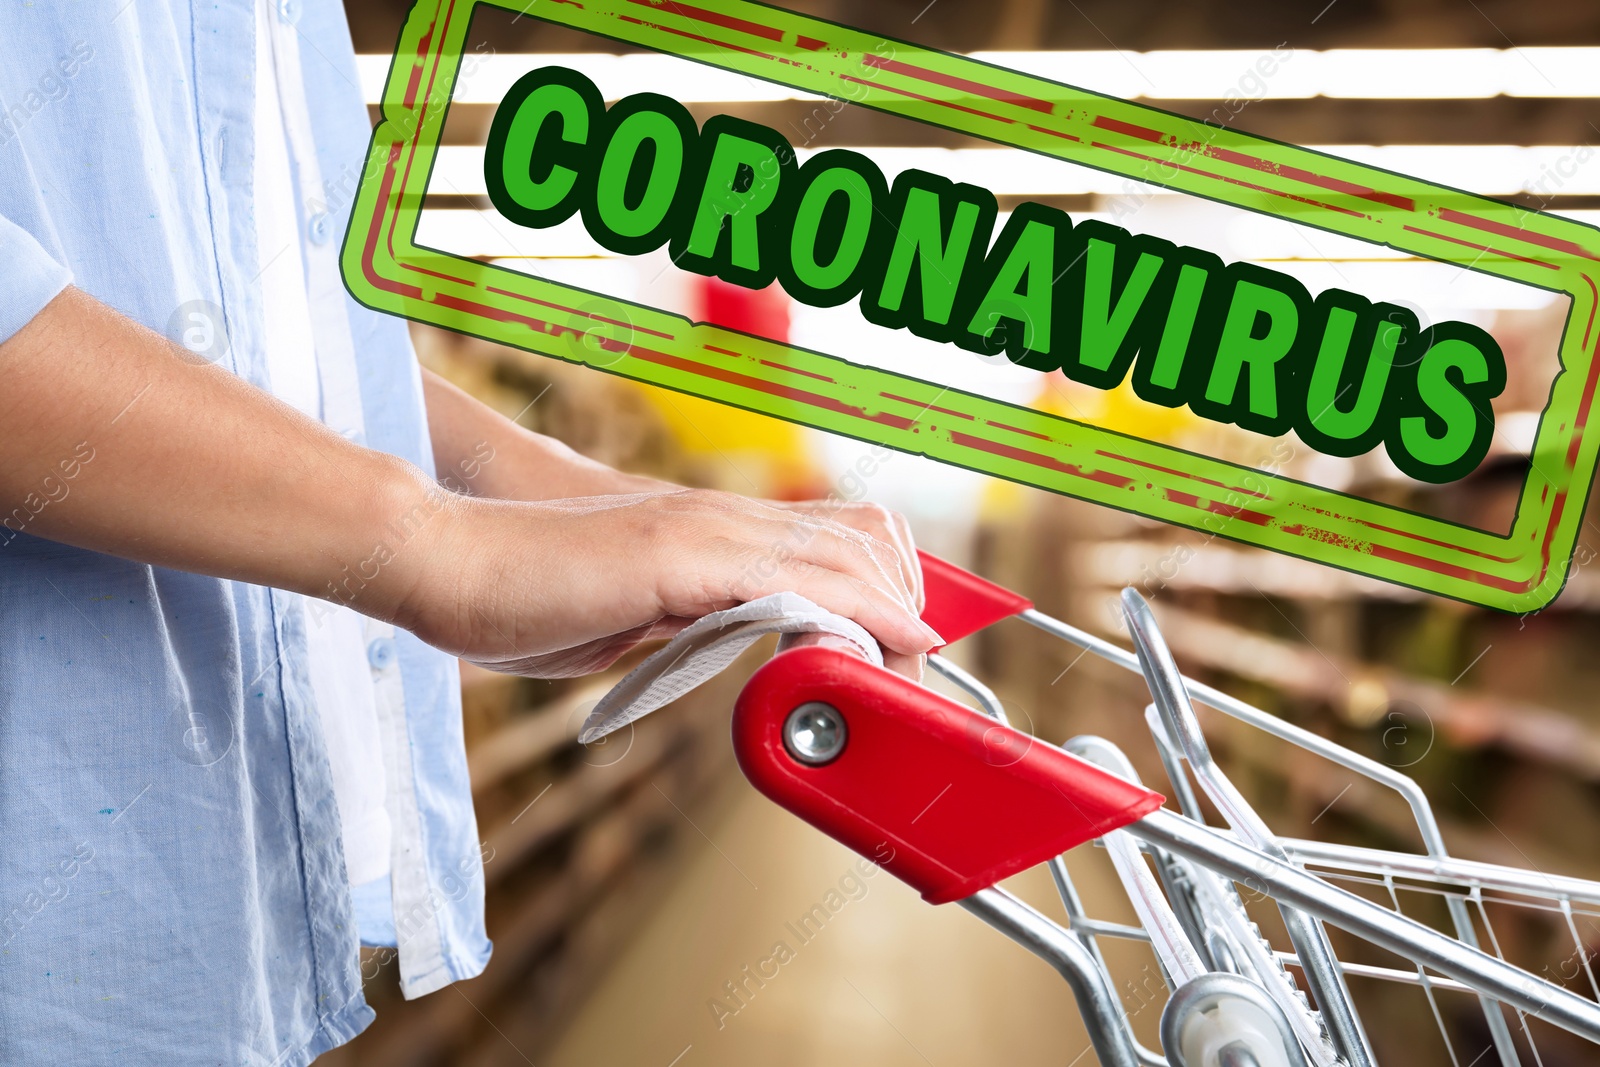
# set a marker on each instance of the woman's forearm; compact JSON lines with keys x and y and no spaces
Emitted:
{"x":478,"y":450}
{"x":116,"y":440}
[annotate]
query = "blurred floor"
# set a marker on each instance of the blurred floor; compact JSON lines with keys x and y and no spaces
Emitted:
{"x":888,"y":980}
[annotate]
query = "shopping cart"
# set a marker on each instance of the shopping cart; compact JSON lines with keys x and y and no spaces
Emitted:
{"x":952,"y":800}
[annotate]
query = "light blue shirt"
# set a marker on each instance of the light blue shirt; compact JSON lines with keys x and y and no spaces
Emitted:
{"x":172,"y":884}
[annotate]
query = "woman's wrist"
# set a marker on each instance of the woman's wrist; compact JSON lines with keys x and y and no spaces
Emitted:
{"x":391,"y":543}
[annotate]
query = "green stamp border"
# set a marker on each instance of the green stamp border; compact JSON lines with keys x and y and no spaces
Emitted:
{"x":1522,"y":571}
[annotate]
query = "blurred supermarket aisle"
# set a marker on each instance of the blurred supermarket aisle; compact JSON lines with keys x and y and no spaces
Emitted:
{"x":887,"y":980}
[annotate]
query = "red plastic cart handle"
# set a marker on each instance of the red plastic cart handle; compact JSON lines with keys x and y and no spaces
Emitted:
{"x":942,"y":797}
{"x":959,"y":603}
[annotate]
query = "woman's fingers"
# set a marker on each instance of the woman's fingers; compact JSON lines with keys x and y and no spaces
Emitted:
{"x":832,"y":540}
{"x":891,"y":529}
{"x":897,"y":533}
{"x":909,"y":553}
{"x":858,"y":555}
{"x":888,"y":527}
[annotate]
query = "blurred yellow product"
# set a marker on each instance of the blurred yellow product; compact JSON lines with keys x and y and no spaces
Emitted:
{"x":767,"y":451}
{"x":1119,"y":409}
{"x":1001,"y":501}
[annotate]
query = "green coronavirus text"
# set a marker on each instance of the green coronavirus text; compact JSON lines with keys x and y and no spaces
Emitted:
{"x":1235,"y":342}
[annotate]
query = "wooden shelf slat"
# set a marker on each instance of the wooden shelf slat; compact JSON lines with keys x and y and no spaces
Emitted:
{"x":1473,"y":718}
{"x":1216,"y":566}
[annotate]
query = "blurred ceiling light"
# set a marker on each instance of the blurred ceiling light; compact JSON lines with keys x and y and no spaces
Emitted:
{"x":1239,"y":75}
{"x":1492,"y":170}
{"x":485,"y":79}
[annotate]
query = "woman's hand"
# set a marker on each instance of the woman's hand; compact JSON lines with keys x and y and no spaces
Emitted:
{"x":566,"y":587}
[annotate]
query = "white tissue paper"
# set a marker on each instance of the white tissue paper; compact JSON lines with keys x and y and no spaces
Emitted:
{"x":707,"y":648}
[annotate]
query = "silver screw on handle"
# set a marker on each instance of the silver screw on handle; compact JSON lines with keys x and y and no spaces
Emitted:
{"x":815,"y":733}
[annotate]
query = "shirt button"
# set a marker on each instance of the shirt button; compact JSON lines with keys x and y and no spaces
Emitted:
{"x":289,"y":11}
{"x":320,"y":227}
{"x":380,"y":653}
